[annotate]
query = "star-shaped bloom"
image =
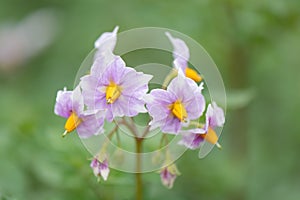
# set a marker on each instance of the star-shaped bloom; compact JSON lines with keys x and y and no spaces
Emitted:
{"x":181,"y":56}
{"x":100,"y":169}
{"x":69,"y":104}
{"x":214,"y":118}
{"x":115,"y":88}
{"x":172,"y":108}
{"x":168,"y":175}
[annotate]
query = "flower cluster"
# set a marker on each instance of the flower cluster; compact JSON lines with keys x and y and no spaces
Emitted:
{"x":113,"y":90}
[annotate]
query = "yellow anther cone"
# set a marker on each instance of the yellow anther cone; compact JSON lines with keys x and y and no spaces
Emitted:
{"x":190,"y":73}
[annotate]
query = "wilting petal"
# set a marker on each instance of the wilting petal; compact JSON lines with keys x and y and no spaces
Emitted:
{"x":104,"y":169}
{"x":100,"y":169}
{"x":95,"y":167}
{"x":168,"y":175}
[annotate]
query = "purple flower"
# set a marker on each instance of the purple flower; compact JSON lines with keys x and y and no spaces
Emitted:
{"x":69,"y":104}
{"x":174,"y":107}
{"x":181,"y":56}
{"x":214,"y":118}
{"x":100,"y":169}
{"x":115,"y":88}
{"x":168,"y":175}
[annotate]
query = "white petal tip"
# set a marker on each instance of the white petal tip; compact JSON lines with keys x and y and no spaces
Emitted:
{"x":116,"y":29}
{"x":64,"y":134}
{"x":218,"y":146}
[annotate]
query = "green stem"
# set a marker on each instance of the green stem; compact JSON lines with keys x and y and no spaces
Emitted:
{"x":138,"y":175}
{"x":139,"y":149}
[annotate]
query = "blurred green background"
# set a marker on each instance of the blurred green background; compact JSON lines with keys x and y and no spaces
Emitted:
{"x":255,"y":44}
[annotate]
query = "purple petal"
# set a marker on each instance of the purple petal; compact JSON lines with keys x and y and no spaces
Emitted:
{"x":92,"y":123}
{"x":135,"y":82}
{"x":128,"y":106}
{"x":93,"y":97}
{"x":181,"y":88}
{"x":63,"y":105}
{"x":162,"y":97}
{"x":190,"y":94}
{"x":171,"y":125}
{"x":77,"y":100}
{"x":191,"y":140}
{"x":115,"y":72}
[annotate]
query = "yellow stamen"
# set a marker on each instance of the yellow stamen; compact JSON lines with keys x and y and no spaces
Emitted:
{"x":190,"y":73}
{"x":72,"y":122}
{"x":113,"y":91}
{"x":211,"y":137}
{"x":178,"y":110}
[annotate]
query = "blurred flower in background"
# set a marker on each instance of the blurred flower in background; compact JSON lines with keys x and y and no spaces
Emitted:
{"x":27,"y":38}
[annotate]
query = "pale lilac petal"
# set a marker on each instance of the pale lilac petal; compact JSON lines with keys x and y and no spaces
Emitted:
{"x":162,"y":97}
{"x":182,"y":88}
{"x":115,"y":72}
{"x":157,"y":105}
{"x":109,"y":114}
{"x":181,"y":52}
{"x":128,"y":106}
{"x":107,"y":41}
{"x":77,"y":100}
{"x":215,"y":115}
{"x":63,"y":106}
{"x":92,"y":123}
{"x":171,"y":125}
{"x":134,"y":82}
{"x":99,"y":65}
{"x":159,"y":115}
{"x":191,"y":140}
{"x":93,"y":97}
{"x":180,"y":64}
{"x":196,"y":106}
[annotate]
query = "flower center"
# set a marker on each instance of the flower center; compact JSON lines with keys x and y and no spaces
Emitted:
{"x":192,"y":74}
{"x":113,"y":91}
{"x":72,"y":122}
{"x":178,"y":110}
